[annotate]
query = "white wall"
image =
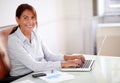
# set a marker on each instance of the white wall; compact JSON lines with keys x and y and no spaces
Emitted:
{"x":78,"y":25}
{"x":65,"y":25}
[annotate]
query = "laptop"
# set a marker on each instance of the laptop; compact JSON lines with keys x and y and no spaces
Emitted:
{"x":87,"y":66}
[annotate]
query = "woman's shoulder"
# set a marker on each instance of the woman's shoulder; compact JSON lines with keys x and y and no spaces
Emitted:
{"x":11,"y":37}
{"x":14,"y":40}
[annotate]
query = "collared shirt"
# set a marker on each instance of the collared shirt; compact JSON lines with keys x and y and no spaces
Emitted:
{"x":35,"y":56}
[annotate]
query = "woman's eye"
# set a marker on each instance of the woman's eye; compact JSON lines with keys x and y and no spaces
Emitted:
{"x":28,"y":18}
{"x":25,"y":17}
{"x":32,"y":17}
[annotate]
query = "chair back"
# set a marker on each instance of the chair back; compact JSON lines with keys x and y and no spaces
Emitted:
{"x":4,"y":59}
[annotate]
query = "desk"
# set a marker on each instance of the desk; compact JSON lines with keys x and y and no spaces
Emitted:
{"x":105,"y":70}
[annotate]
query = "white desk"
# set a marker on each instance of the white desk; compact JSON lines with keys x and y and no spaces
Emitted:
{"x":105,"y":70}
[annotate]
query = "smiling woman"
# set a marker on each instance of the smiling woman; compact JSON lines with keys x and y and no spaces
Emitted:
{"x":26,"y":18}
{"x":28,"y":52}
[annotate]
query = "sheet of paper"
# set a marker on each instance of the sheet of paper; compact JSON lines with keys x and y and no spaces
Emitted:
{"x":25,"y":81}
{"x":57,"y":77}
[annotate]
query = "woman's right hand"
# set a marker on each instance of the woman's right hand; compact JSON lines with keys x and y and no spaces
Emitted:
{"x":72,"y":63}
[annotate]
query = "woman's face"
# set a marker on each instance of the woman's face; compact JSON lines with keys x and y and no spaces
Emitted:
{"x":27,"y":21}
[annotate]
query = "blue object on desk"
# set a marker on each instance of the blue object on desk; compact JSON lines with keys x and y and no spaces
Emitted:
{"x":53,"y":76}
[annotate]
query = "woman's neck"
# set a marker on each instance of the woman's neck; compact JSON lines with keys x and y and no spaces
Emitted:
{"x":28,"y":35}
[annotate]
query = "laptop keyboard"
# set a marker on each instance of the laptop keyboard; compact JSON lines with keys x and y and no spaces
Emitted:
{"x":86,"y":64}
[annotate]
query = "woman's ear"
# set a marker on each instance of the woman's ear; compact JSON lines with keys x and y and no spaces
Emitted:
{"x":17,"y":19}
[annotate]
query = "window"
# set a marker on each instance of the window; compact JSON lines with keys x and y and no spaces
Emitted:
{"x":108,"y":7}
{"x":112,"y":7}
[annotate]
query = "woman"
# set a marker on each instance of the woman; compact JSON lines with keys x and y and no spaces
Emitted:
{"x":27,"y":51}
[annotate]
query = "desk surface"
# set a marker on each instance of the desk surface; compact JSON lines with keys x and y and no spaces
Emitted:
{"x":105,"y":70}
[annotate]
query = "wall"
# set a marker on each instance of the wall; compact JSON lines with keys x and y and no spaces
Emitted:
{"x":65,"y":25}
{"x":78,"y":23}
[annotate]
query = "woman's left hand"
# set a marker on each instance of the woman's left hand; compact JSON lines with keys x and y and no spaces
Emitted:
{"x":81,"y":57}
{"x":72,"y":57}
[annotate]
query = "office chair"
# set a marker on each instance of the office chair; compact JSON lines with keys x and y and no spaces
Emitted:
{"x":4,"y":59}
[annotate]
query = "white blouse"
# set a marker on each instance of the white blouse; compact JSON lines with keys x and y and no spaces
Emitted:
{"x":35,"y":56}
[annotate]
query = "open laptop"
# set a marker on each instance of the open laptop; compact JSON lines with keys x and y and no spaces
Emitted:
{"x":87,"y":66}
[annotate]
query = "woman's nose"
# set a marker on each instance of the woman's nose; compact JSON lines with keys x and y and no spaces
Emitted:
{"x":30,"y":21}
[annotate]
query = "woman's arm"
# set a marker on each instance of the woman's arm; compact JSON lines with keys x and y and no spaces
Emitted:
{"x":49,"y":55}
